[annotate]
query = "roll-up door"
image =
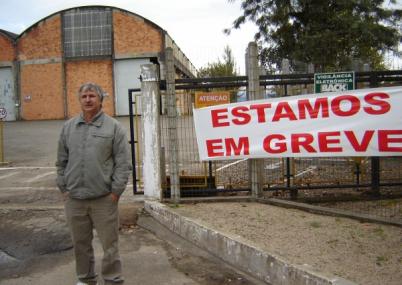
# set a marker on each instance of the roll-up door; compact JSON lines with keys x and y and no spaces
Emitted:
{"x":7,"y":96}
{"x":127,"y":73}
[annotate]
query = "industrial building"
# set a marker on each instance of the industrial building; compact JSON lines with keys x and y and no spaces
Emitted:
{"x":42,"y":68}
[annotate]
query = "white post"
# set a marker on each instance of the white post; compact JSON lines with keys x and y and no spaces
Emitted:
{"x":254,"y":93}
{"x":151,"y":132}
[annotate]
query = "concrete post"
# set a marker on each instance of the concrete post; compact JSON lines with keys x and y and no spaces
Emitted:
{"x":151,"y":132}
{"x":310,"y":68}
{"x":254,"y":93}
{"x":288,"y":161}
{"x":375,"y":160}
{"x":285,"y":68}
{"x":172,"y":127}
{"x":307,"y":90}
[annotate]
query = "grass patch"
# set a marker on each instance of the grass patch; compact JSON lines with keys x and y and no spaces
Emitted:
{"x":389,"y":203}
{"x":380,"y":260}
{"x":332,"y":241}
{"x":315,"y":224}
{"x":174,"y":206}
{"x":379,"y":232}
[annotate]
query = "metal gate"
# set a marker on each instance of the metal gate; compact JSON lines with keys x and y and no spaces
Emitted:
{"x":135,"y":138}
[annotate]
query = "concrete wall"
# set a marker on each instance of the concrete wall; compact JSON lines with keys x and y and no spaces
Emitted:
{"x":79,"y":72}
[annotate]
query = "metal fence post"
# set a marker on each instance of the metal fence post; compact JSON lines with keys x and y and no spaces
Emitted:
{"x":132,"y":141}
{"x":1,"y":142}
{"x":285,"y":69}
{"x":172,"y":127}
{"x":375,"y":160}
{"x":254,"y":93}
{"x":151,"y":131}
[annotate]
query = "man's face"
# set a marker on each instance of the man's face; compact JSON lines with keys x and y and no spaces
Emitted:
{"x":90,"y":102}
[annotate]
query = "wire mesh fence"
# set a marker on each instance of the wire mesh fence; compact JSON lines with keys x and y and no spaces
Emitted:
{"x":320,"y":180}
{"x":388,"y":209}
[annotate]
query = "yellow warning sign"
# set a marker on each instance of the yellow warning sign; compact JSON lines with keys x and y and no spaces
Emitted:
{"x":205,"y":99}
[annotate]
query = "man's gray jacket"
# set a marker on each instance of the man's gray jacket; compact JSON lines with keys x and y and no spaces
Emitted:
{"x":93,"y":159}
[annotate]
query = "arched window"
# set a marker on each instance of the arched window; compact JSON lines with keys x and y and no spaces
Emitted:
{"x":87,"y":32}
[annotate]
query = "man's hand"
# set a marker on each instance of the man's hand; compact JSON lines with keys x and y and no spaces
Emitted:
{"x":115,"y":197}
{"x":65,"y":195}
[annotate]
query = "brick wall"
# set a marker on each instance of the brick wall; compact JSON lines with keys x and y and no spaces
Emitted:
{"x":41,"y":73}
{"x":42,"y":41}
{"x":7,"y":49}
{"x":132,"y":35}
{"x":42,"y":92}
{"x":97,"y":71}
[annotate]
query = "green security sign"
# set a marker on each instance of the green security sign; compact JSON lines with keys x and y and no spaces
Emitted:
{"x":334,"y":82}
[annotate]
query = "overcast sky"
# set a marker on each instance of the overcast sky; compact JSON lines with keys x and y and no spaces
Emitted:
{"x":195,"y":25}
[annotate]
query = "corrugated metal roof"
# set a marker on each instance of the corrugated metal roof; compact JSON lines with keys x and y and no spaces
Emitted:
{"x":9,"y":34}
{"x":86,"y":7}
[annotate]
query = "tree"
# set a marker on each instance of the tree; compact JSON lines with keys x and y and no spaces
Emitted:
{"x":331,"y":34}
{"x":227,"y":67}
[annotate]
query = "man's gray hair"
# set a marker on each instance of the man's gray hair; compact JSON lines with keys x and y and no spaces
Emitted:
{"x":92,"y":87}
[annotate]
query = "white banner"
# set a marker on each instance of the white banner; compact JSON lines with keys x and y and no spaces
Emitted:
{"x":365,"y":122}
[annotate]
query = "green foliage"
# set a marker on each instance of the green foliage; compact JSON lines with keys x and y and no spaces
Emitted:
{"x":174,"y":206}
{"x":379,"y":232}
{"x":380,"y":260}
{"x":331,"y":34}
{"x":226,"y":67}
{"x":315,"y":224}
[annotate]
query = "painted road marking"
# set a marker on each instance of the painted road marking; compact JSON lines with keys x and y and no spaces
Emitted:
{"x":9,"y":175}
{"x":27,"y":167}
{"x":16,"y":188}
{"x":27,"y":188}
{"x":39,"y":177}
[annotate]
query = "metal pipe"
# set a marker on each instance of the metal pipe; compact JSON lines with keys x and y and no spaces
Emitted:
{"x":132,"y":139}
{"x":339,"y":186}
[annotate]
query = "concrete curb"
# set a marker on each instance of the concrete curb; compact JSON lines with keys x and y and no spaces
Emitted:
{"x":328,"y":211}
{"x":258,"y":263}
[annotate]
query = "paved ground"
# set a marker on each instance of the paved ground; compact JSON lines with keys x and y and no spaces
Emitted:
{"x":35,"y":247}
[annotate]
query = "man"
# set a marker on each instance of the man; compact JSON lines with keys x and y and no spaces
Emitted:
{"x":92,"y":171}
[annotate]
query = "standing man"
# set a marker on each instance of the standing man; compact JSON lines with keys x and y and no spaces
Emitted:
{"x":92,"y":171}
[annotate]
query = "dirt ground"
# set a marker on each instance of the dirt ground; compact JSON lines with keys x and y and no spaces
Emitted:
{"x":366,"y":253}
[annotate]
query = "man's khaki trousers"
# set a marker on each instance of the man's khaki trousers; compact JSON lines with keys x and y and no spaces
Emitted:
{"x":102,"y":215}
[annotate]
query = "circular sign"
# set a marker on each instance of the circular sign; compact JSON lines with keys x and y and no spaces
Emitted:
{"x":3,"y":113}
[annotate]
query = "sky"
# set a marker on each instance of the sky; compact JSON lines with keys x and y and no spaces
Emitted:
{"x":195,"y":25}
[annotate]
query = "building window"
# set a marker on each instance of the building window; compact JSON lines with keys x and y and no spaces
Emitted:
{"x":87,"y":32}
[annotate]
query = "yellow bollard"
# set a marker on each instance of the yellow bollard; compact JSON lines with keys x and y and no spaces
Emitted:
{"x":1,"y":142}
{"x":3,"y":115}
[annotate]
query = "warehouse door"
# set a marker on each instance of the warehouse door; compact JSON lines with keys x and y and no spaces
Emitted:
{"x":127,"y":76}
{"x":7,"y":97}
